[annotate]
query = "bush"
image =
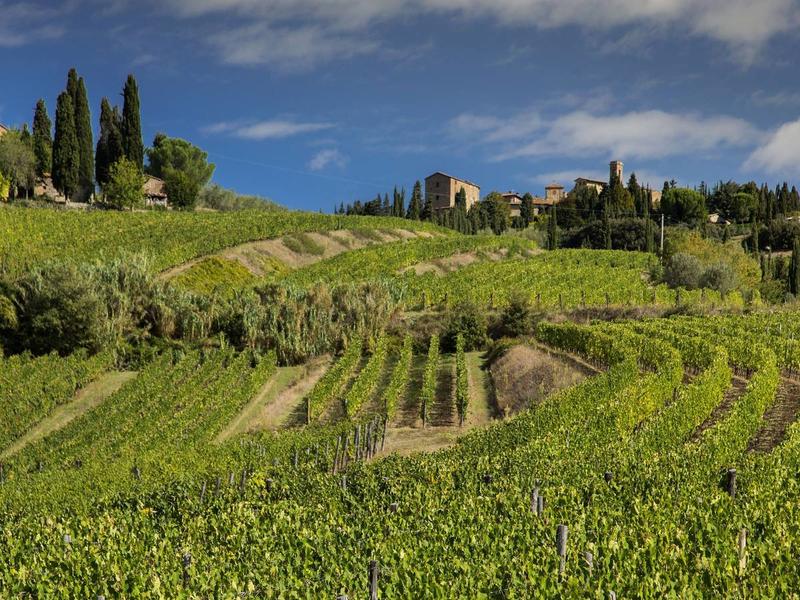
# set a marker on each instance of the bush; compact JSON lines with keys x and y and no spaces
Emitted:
{"x":683,"y":270}
{"x":516,"y":318}
{"x":181,"y":189}
{"x":468,"y":320}
{"x":720,"y":277}
{"x":125,"y":188}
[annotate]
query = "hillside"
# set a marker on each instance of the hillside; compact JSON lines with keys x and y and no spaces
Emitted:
{"x":288,"y":397}
{"x":171,"y":238}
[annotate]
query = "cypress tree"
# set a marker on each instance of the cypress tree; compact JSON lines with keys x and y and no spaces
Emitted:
{"x":648,"y":222}
{"x":109,"y":143}
{"x":794,"y":268}
{"x":415,"y":204}
{"x":42,"y":139}
{"x":66,"y":156}
{"x":83,"y":131}
{"x":606,"y":227}
{"x":398,"y":204}
{"x":526,"y":210}
{"x":427,"y":210}
{"x":552,"y":229}
{"x":131,"y":127}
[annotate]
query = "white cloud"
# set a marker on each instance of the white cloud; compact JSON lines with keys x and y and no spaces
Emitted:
{"x":23,"y":23}
{"x":265,"y":130}
{"x":327,"y":157}
{"x":762,"y":98}
{"x":744,"y":25}
{"x":289,"y":49}
{"x":483,"y":128}
{"x":643,"y":134}
{"x":780,"y":153}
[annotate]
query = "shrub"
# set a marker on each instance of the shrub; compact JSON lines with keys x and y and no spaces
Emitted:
{"x":125,"y":188}
{"x":720,"y":277}
{"x":181,"y":189}
{"x":683,"y":270}
{"x":468,"y":320}
{"x":515,"y":320}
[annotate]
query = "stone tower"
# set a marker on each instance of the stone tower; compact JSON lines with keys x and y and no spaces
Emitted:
{"x":616,"y":169}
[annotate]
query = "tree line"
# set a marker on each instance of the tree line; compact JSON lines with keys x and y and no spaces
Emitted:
{"x":65,"y":154}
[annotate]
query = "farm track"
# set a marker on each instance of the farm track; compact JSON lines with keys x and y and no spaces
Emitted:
{"x":732,"y":394}
{"x":778,"y":417}
{"x":334,"y":242}
{"x":85,"y":399}
{"x":443,"y":411}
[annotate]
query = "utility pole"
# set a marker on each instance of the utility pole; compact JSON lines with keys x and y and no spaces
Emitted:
{"x":662,"y":235}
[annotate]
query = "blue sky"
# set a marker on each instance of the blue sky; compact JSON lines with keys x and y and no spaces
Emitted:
{"x":315,"y":102}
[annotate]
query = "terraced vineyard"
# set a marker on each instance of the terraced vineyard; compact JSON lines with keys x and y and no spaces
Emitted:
{"x":649,"y":507}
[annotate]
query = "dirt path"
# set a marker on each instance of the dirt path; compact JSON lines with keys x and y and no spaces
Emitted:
{"x":443,"y":412}
{"x":280,"y":403}
{"x":87,"y":398}
{"x":480,"y":410}
{"x":249,"y":419}
{"x":731,"y":396}
{"x":778,"y":417}
{"x":256,"y":255}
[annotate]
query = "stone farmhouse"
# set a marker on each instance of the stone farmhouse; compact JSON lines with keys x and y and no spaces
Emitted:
{"x":441,"y":190}
{"x":514,"y":201}
{"x":3,"y":129}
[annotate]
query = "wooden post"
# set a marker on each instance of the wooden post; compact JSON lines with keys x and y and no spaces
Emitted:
{"x":358,"y":441}
{"x":202,"y":492}
{"x":608,"y":300}
{"x":344,"y":459}
{"x":535,"y":501}
{"x":344,"y":482}
{"x":243,"y":482}
{"x":367,"y":441}
{"x":269,"y":484}
{"x":608,"y":476}
{"x":742,"y":551}
{"x":67,"y":539}
{"x":219,"y":483}
{"x":383,"y":437}
{"x":373,"y":580}
{"x":393,"y":507}
{"x":561,"y":547}
{"x":230,"y":477}
{"x":187,"y":562}
{"x":296,"y":458}
{"x":730,"y":483}
{"x":137,"y":474}
{"x":560,"y":302}
{"x":540,"y":506}
{"x":589,"y":558}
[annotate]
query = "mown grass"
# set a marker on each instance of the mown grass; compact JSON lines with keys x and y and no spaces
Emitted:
{"x":215,"y":274}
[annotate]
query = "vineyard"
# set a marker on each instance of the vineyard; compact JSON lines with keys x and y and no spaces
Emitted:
{"x":385,"y":469}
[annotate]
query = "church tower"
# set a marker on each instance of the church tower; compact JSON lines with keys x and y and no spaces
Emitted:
{"x":616,"y":170}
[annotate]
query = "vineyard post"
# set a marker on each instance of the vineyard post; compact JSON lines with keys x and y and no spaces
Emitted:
{"x":583,"y":298}
{"x":742,"y":551}
{"x":336,"y":454}
{"x":535,"y":501}
{"x":383,"y":437}
{"x":540,"y":506}
{"x":367,"y":441}
{"x":296,"y":457}
{"x":230,"y":477}
{"x":608,"y":476}
{"x":561,"y":548}
{"x":243,"y":483}
{"x":269,"y":484}
{"x":357,"y":441}
{"x":608,"y":300}
{"x":187,"y":562}
{"x":137,"y":474}
{"x":589,"y":557}
{"x":216,"y":489}
{"x":344,"y":458}
{"x":308,"y":411}
{"x":393,"y":507}
{"x":202,"y":492}
{"x":2,"y":473}
{"x":373,"y":580}
{"x":560,"y":302}
{"x":730,"y":484}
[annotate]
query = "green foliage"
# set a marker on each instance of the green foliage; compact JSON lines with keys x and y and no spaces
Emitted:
{"x":400,"y":377}
{"x":17,"y":162}
{"x":462,"y":381}
{"x":42,"y":139}
{"x":683,"y":270}
{"x":181,"y":189}
{"x":215,"y":275}
{"x":333,"y":382}
{"x":125,"y":187}
{"x":364,"y":386}
{"x":794,"y":269}
{"x":415,"y":204}
{"x":173,"y":154}
{"x":218,"y":198}
{"x":516,"y":317}
{"x":684,"y":205}
{"x":466,"y":321}
{"x":302,"y":243}
{"x":429,"y":378}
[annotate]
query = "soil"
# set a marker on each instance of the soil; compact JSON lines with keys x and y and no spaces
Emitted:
{"x":731,"y":396}
{"x":778,"y":417}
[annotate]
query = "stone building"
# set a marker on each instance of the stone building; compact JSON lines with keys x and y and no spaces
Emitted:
{"x":514,"y":201}
{"x":3,"y":129}
{"x":441,"y":190}
{"x":155,"y":191}
{"x":593,"y":183}
{"x":554,"y":193}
